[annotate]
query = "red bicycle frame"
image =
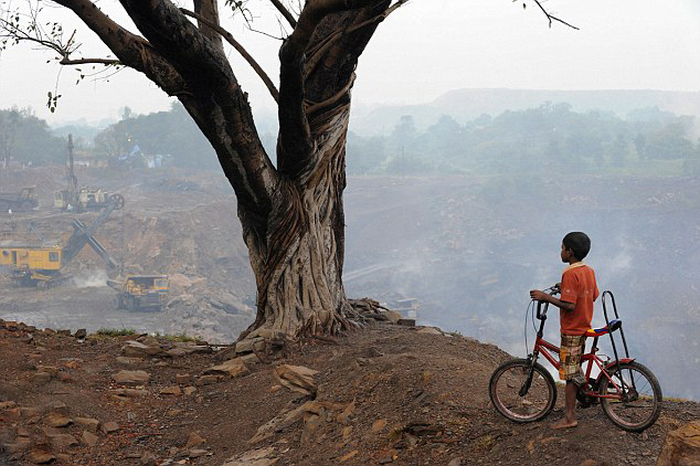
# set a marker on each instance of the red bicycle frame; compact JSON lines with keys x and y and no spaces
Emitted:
{"x":547,"y":349}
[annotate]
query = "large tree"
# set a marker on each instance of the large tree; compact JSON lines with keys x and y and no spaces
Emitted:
{"x":291,"y":210}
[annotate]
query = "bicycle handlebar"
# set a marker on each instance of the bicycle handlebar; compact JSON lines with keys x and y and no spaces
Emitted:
{"x":542,"y":310}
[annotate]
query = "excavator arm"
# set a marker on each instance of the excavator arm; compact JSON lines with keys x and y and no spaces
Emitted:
{"x":84,"y":235}
{"x":95,"y":245}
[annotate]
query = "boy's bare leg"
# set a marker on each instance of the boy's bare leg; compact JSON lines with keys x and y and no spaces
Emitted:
{"x":569,"y":408}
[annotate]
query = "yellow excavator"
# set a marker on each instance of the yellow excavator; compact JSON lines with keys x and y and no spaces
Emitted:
{"x":42,"y":265}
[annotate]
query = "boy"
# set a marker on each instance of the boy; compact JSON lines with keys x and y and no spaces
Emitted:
{"x":578,"y":291}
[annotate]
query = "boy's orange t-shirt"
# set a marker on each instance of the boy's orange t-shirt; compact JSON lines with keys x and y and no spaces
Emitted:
{"x":578,"y":286}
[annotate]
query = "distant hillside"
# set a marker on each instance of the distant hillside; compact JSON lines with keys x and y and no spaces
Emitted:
{"x":466,"y":104}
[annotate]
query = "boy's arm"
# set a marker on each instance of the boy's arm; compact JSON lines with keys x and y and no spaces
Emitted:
{"x":539,"y":295}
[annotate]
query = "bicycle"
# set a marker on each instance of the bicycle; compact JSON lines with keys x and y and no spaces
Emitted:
{"x":522,"y":390}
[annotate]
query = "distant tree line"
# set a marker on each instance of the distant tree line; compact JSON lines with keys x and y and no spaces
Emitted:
{"x":27,"y":140}
{"x":550,"y":137}
{"x":171,"y":134}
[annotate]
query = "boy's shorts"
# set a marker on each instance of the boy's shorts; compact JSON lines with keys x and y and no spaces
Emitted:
{"x":570,"y":358}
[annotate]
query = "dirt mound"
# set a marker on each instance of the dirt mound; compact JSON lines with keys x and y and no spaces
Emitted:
{"x":386,"y":394}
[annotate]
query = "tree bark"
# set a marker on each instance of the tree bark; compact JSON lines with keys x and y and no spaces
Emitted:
{"x":299,"y":270}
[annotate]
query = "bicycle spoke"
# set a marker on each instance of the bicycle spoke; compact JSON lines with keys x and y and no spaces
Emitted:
{"x":635,"y":397}
{"x":511,"y":380}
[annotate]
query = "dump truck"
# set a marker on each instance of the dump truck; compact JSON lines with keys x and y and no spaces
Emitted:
{"x":141,"y":292}
{"x":43,"y":265}
{"x":23,"y":201}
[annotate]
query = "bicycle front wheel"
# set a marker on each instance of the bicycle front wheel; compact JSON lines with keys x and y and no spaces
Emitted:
{"x":637,"y":397}
{"x":514,"y":398}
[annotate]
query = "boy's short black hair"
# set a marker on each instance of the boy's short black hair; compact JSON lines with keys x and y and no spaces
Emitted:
{"x":578,"y":242}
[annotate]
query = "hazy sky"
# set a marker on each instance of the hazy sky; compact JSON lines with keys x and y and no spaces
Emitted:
{"x":426,"y":48}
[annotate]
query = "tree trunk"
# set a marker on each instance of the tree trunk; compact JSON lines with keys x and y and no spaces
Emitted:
{"x":299,"y":266}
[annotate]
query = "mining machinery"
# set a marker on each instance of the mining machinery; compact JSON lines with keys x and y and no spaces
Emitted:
{"x":141,"y":292}
{"x":84,"y":199}
{"x":43,"y":265}
{"x":23,"y":201}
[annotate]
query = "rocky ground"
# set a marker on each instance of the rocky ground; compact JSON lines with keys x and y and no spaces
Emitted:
{"x":383,"y":395}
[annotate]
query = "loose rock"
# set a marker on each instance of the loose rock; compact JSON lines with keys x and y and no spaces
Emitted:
{"x":297,"y":378}
{"x":131,"y":377}
{"x":682,"y":447}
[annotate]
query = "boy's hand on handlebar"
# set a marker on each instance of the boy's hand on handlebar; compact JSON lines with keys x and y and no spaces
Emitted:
{"x":539,"y":295}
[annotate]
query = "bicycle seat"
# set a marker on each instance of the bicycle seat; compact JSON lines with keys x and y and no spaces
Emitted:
{"x":596,"y":332}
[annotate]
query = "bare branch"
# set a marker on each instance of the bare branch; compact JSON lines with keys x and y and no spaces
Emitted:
{"x":82,"y":61}
{"x":64,"y":50}
{"x":295,"y":145}
{"x":311,"y":16}
{"x":33,"y":32}
{"x":130,"y":49}
{"x":217,"y":103}
{"x":551,"y":18}
{"x":315,"y":54}
{"x":240,"y":49}
{"x":21,"y":36}
{"x":286,"y":13}
{"x":182,"y":43}
{"x":209,"y":10}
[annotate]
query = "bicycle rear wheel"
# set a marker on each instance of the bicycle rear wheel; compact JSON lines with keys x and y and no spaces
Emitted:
{"x":507,"y":383}
{"x":638,"y":397}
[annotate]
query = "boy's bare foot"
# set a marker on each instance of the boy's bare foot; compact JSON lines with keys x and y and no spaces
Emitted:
{"x":564,"y":424}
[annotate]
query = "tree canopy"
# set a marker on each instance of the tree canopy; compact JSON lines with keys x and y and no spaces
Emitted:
{"x":27,"y":140}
